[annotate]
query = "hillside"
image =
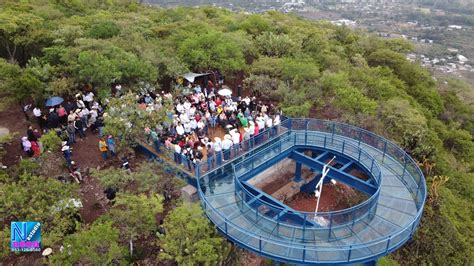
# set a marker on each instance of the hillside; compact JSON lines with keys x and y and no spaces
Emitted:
{"x":309,"y":69}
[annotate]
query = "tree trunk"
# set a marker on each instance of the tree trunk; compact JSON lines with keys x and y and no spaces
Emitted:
{"x":131,"y":247}
{"x":11,"y":54}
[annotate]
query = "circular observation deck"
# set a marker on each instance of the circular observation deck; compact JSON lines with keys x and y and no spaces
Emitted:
{"x":395,"y":194}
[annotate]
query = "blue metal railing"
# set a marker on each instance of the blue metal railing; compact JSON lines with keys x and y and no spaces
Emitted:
{"x":200,"y":168}
{"x":306,"y":220}
{"x":392,"y":157}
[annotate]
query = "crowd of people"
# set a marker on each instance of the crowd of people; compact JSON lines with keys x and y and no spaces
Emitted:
{"x":70,"y":121}
{"x":209,"y":127}
{"x":205,"y":125}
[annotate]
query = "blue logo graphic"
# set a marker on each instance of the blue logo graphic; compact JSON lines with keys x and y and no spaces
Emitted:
{"x":25,"y":236}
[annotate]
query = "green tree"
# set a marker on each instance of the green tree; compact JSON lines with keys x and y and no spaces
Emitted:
{"x":400,"y":117}
{"x":212,"y":50}
{"x":8,"y":75}
{"x":136,"y":215}
{"x":420,"y":84}
{"x":97,"y":245}
{"x":346,"y":96}
{"x":460,"y":143}
{"x":96,"y":68}
{"x":190,"y":239}
{"x":152,"y":178}
{"x":104,"y":30}
{"x":271,"y":44}
{"x":34,"y":198}
{"x":20,"y":30}
{"x":113,"y":177}
{"x":127,"y":121}
{"x":148,"y":177}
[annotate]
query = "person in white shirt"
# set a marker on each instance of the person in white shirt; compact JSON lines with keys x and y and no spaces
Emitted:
{"x":192,"y":111}
{"x":187,"y":107}
{"x":236,"y":140}
{"x":177,"y":154}
{"x":80,"y":104}
{"x":276,"y":122}
{"x":226,"y":145}
{"x":180,"y":129}
{"x":269,"y":122}
{"x":37,"y":112}
{"x":93,"y":116}
{"x":193,"y":124}
{"x":180,"y":108}
{"x":247,"y":101}
{"x":184,"y":118}
{"x":252,"y":133}
{"x":71,"y":117}
{"x":88,"y":99}
{"x":260,"y":123}
{"x":118,"y":89}
{"x":251,"y":128}
{"x":218,"y":150}
{"x":205,"y":141}
{"x":38,"y":115}
{"x":187,"y":128}
{"x":200,"y":124}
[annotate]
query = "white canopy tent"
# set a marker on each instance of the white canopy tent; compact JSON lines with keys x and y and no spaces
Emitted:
{"x":192,"y":76}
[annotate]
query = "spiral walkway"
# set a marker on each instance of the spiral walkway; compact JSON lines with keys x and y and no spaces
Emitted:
{"x":361,"y":234}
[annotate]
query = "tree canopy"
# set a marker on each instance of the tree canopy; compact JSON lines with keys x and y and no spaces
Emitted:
{"x":98,"y":245}
{"x":189,"y":238}
{"x":308,"y":68}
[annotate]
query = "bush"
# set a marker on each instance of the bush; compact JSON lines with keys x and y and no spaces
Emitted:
{"x":51,"y":141}
{"x":104,"y":30}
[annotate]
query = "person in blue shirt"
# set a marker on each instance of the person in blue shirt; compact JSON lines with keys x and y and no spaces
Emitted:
{"x":111,"y":145}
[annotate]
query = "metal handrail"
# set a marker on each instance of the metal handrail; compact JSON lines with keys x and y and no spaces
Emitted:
{"x":388,"y":240}
{"x":306,"y":246}
{"x":331,"y":213}
{"x":199,"y":168}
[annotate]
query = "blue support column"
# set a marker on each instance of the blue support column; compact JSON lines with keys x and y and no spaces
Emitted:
{"x":313,"y":155}
{"x":298,"y":172}
{"x":335,"y":173}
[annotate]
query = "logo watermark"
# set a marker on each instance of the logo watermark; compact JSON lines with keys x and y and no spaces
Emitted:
{"x":25,"y":236}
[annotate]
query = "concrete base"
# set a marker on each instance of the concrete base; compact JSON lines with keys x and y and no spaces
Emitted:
{"x":297,"y":185}
{"x":189,"y":193}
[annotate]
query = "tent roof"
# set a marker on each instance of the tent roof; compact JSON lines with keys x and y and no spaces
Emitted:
{"x":192,"y":76}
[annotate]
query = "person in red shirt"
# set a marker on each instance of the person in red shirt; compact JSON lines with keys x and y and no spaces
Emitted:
{"x":255,"y":133}
{"x":62,"y":114}
{"x":35,"y":148}
{"x":218,"y":101}
{"x":181,"y":143}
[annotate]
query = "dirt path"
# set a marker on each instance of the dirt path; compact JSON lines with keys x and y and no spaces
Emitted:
{"x":85,"y":153}
{"x":14,"y":120}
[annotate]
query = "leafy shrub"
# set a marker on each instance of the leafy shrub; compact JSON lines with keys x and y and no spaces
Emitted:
{"x":51,"y":141}
{"x":104,"y":30}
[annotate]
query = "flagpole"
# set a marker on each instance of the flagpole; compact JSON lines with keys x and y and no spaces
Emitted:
{"x":321,"y":182}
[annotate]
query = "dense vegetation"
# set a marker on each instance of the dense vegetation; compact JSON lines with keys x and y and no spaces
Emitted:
{"x":310,"y":68}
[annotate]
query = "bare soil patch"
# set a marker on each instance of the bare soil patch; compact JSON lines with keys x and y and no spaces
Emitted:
{"x":360,"y":174}
{"x":334,"y":197}
{"x":14,"y":120}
